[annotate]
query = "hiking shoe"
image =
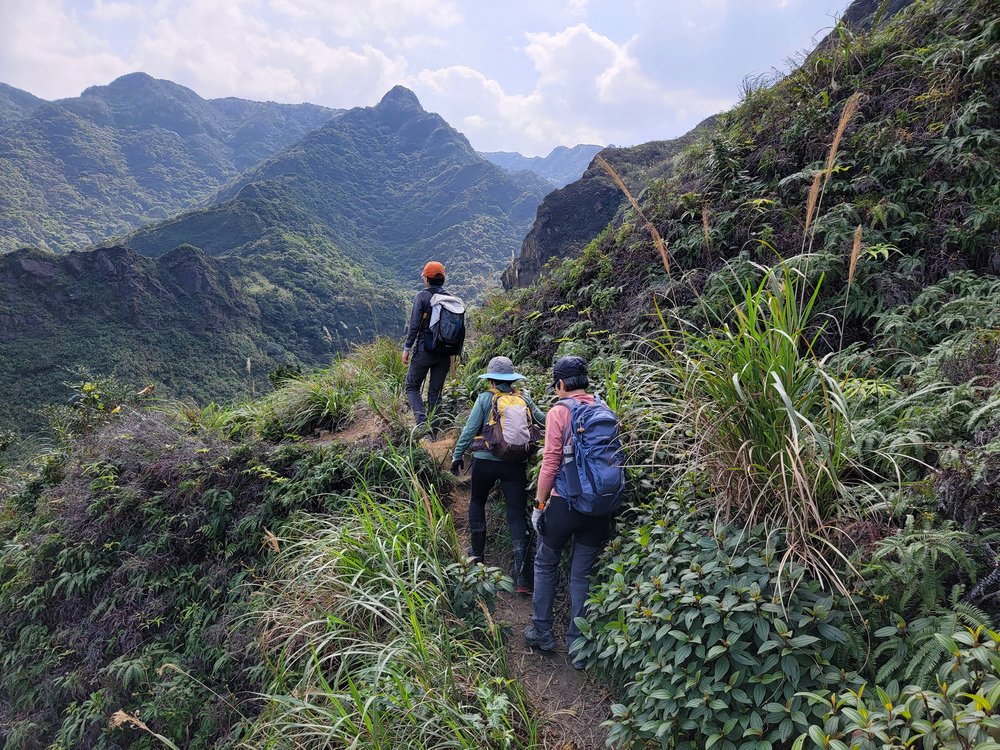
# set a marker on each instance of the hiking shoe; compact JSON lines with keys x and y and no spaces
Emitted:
{"x":579,"y":664}
{"x":542,"y":640}
{"x":523,"y":586}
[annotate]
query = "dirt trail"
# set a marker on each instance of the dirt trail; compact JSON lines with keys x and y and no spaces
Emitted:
{"x":572,"y":703}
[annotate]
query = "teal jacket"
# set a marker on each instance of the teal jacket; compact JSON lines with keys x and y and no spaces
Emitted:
{"x":477,"y":421}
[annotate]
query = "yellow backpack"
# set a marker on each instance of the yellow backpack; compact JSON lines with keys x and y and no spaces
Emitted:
{"x":510,"y":433}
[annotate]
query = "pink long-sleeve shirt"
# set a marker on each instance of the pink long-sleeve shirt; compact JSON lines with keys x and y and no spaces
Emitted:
{"x":556,"y":422}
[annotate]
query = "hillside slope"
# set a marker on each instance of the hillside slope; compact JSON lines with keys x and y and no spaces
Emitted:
{"x":915,"y":168}
{"x":184,"y":321}
{"x":571,"y":217}
{"x":16,"y":104}
{"x":392,"y":185}
{"x":74,"y":171}
{"x":560,"y":167}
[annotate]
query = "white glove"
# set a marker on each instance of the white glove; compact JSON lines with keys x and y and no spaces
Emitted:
{"x":536,"y":516}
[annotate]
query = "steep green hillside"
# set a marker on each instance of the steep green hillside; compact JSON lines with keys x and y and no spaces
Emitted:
{"x":916,"y":168}
{"x":800,"y":330}
{"x":74,"y":171}
{"x":159,"y":574}
{"x":562,"y":166}
{"x":184,"y":321}
{"x":392,"y":184}
{"x":571,"y":217}
{"x":16,"y":104}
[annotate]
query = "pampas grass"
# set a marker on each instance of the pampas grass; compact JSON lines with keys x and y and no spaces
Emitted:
{"x":661,"y":246}
{"x":812,"y":200}
{"x":855,"y":252}
{"x":850,"y":108}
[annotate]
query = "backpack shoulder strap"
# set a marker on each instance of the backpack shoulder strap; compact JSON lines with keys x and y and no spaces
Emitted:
{"x":570,"y":404}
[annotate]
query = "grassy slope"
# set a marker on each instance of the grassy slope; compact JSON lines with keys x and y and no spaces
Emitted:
{"x":139,"y":573}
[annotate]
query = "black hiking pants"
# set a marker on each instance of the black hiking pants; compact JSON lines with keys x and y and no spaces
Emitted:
{"x":423,"y":363}
{"x":513,"y":478}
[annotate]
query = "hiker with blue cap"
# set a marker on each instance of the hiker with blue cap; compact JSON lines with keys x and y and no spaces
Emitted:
{"x":503,"y":433}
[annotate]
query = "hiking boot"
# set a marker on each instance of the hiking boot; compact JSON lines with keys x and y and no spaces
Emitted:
{"x":477,"y":546}
{"x":579,"y":664}
{"x":522,"y":574}
{"x":543,"y":640}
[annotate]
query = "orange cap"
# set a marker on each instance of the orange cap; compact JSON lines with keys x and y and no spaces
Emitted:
{"x":433,"y":269}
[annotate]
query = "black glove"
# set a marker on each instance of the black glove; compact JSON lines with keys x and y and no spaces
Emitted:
{"x":456,"y":466}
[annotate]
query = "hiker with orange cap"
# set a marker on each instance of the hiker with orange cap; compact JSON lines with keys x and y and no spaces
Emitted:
{"x":435,"y":334}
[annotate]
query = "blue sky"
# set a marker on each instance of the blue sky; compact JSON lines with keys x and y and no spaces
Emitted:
{"x":512,"y":75}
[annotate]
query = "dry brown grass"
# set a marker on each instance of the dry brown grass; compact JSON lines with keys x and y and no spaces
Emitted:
{"x":855,"y":252}
{"x":812,"y":200}
{"x":661,"y":246}
{"x":705,"y":229}
{"x":850,"y":108}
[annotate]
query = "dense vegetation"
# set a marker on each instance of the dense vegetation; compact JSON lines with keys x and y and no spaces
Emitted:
{"x":811,"y":409}
{"x":74,"y":171}
{"x":207,"y":577}
{"x":810,"y":385}
{"x":192,"y":325}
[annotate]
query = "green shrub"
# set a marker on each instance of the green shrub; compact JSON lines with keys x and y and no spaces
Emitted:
{"x":751,"y":407}
{"x":707,"y":641}
{"x":962,"y":711}
{"x":379,"y":639}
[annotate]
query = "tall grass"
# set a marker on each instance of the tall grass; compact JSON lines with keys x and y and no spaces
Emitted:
{"x":367,"y":383}
{"x":381,"y":638}
{"x":749,"y":406}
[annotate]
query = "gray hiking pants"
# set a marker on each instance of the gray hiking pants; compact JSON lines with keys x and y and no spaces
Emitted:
{"x":590,"y":536}
{"x":422,"y":364}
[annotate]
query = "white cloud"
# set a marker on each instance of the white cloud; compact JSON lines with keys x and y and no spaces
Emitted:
{"x":588,"y":89}
{"x":351,"y":18}
{"x":246,"y":57}
{"x":111,"y":10}
{"x":44,"y":49}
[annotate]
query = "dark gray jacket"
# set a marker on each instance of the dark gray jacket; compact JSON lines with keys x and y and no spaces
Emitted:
{"x":420,"y":315}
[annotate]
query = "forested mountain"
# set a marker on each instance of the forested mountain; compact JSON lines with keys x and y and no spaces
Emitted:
{"x":392,"y":185}
{"x":16,"y":104}
{"x":310,"y":251}
{"x":74,"y":171}
{"x":560,"y":167}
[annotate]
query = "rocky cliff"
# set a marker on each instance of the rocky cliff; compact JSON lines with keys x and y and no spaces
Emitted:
{"x":569,"y":218}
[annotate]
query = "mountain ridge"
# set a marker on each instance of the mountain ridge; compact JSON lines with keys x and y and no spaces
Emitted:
{"x":313,"y":250}
{"x":74,"y":171}
{"x":562,"y":165}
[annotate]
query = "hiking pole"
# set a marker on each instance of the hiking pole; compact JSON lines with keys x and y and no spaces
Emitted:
{"x":529,"y":544}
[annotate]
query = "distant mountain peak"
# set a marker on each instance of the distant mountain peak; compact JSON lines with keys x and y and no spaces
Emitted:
{"x":139,"y":83}
{"x":400,"y":97}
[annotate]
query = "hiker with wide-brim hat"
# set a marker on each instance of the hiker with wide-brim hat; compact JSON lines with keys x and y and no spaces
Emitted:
{"x":503,"y":433}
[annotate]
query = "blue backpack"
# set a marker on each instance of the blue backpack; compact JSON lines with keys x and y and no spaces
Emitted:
{"x":593,"y":464}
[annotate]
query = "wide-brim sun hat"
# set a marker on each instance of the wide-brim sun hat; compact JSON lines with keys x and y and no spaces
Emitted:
{"x":501,"y":368}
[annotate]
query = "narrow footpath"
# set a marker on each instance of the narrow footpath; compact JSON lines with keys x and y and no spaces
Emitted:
{"x":571,"y":703}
